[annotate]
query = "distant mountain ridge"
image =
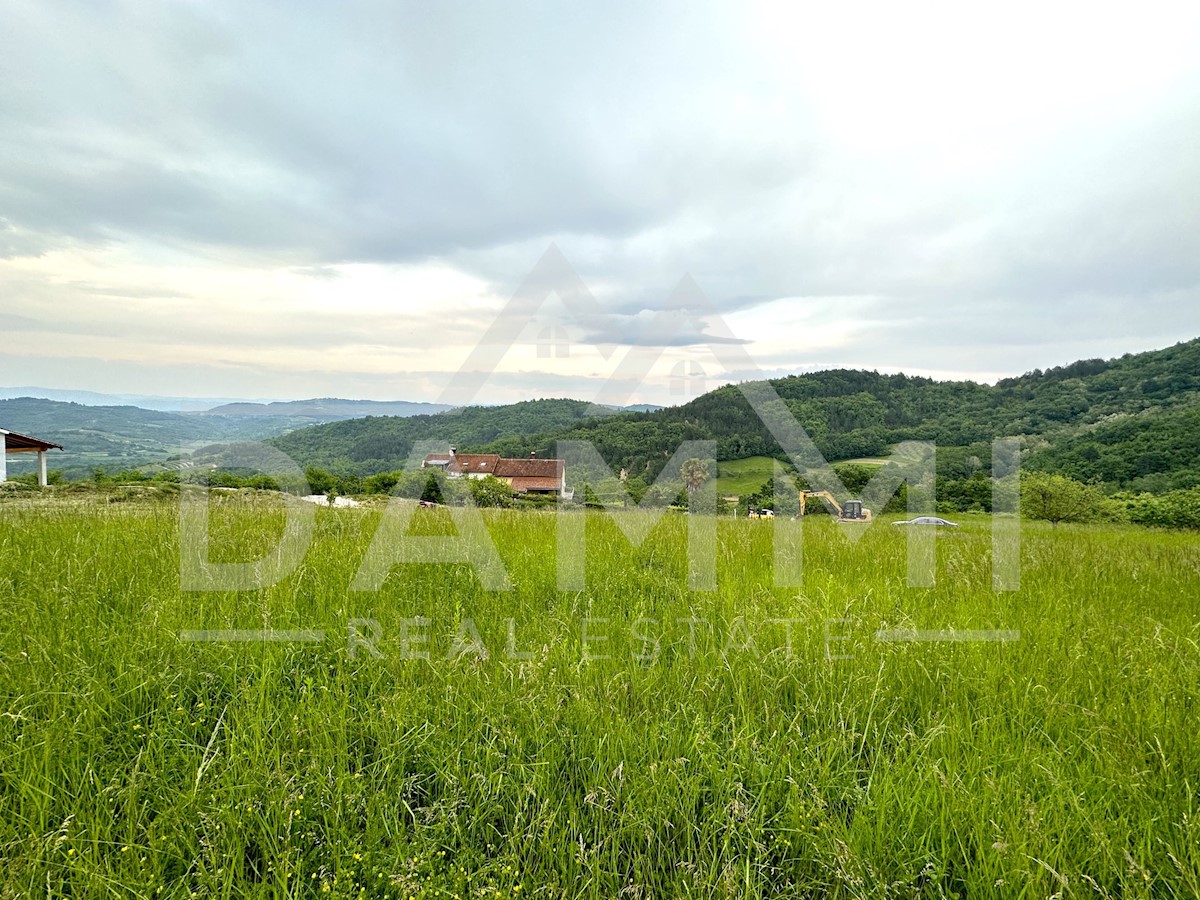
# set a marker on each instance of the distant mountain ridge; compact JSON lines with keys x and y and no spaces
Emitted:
{"x":122,"y":436}
{"x":94,"y":398}
{"x":320,"y":408}
{"x":327,"y":408}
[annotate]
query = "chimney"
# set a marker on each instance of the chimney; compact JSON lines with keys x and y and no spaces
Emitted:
{"x":533,"y":454}
{"x":452,"y":449}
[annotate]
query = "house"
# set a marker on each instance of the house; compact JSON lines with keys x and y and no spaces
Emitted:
{"x":524,"y":476}
{"x":535,"y":476}
{"x":11,"y":442}
{"x":463,"y":465}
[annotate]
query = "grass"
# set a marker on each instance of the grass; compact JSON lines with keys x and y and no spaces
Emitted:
{"x":743,"y":476}
{"x":707,"y":756}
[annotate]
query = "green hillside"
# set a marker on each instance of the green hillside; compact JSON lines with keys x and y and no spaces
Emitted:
{"x":1154,"y":450}
{"x":121,"y":437}
{"x":1127,"y":422}
{"x":383,"y":443}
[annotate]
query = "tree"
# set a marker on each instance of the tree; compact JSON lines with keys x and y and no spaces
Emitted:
{"x":855,"y":476}
{"x":319,"y":481}
{"x":694,"y":473}
{"x":490,"y":491}
{"x":383,"y":483}
{"x":1055,"y":498}
{"x":433,"y":490}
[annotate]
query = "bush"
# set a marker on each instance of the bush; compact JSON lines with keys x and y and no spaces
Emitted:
{"x":490,"y":491}
{"x":15,"y":486}
{"x":1176,"y":509}
{"x":535,"y":501}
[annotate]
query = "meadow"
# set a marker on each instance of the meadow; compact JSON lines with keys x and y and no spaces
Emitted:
{"x":743,"y":476}
{"x":634,"y":739}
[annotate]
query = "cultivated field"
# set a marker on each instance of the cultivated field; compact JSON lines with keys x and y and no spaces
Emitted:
{"x":709,"y":755}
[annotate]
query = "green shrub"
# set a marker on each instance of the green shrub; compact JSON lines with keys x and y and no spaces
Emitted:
{"x":490,"y":491}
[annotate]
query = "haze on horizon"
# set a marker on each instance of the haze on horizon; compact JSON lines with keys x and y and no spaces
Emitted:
{"x":267,"y":200}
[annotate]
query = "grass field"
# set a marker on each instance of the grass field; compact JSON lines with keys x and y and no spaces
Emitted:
{"x":743,"y":476}
{"x":722,"y":761}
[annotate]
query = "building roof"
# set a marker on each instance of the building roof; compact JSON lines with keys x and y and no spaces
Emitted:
{"x":523,"y":474}
{"x":520,"y":484}
{"x":475,"y":463}
{"x":465,"y":463}
{"x":531,"y":468}
{"x":23,"y":443}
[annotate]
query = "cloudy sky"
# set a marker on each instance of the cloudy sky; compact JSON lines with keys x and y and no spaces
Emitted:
{"x":294,"y":200}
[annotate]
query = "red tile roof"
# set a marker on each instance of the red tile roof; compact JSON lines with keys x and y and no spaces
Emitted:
{"x":464,"y":463}
{"x":521,"y":485}
{"x":523,"y":474}
{"x":530,"y":468}
{"x":475,"y":463}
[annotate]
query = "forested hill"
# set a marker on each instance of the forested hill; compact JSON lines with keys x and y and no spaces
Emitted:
{"x":383,"y":443}
{"x":1131,"y":421}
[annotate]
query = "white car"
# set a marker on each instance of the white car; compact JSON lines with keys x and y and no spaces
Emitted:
{"x":927,"y":520}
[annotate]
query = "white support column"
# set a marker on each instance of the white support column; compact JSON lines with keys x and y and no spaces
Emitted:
{"x":42,"y":468}
{"x":3,"y":456}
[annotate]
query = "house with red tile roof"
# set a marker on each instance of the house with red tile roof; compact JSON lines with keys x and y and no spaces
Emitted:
{"x":525,"y":476}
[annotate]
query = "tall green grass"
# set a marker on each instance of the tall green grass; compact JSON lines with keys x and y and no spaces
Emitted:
{"x":719,"y":762}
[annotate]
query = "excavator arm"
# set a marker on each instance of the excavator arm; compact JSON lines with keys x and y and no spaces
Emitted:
{"x":824,"y":495}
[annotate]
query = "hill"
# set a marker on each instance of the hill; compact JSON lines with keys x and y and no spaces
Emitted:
{"x":383,"y":443}
{"x":122,"y":437}
{"x":93,"y":398}
{"x":327,"y":409}
{"x":1127,"y":422}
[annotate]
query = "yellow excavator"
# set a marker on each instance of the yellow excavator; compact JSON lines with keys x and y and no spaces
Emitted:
{"x":852,"y":512}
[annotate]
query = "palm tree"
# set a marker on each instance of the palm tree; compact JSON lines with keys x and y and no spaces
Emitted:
{"x":694,"y":473}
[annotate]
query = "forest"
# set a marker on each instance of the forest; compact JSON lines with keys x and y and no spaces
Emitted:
{"x":1130,"y":424}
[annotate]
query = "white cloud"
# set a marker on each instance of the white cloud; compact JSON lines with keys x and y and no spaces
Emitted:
{"x":322,"y":201}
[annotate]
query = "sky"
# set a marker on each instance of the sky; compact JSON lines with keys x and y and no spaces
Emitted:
{"x":301,"y":200}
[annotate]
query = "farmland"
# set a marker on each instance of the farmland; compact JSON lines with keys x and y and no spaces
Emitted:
{"x":632,"y":739}
{"x":743,"y":476}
